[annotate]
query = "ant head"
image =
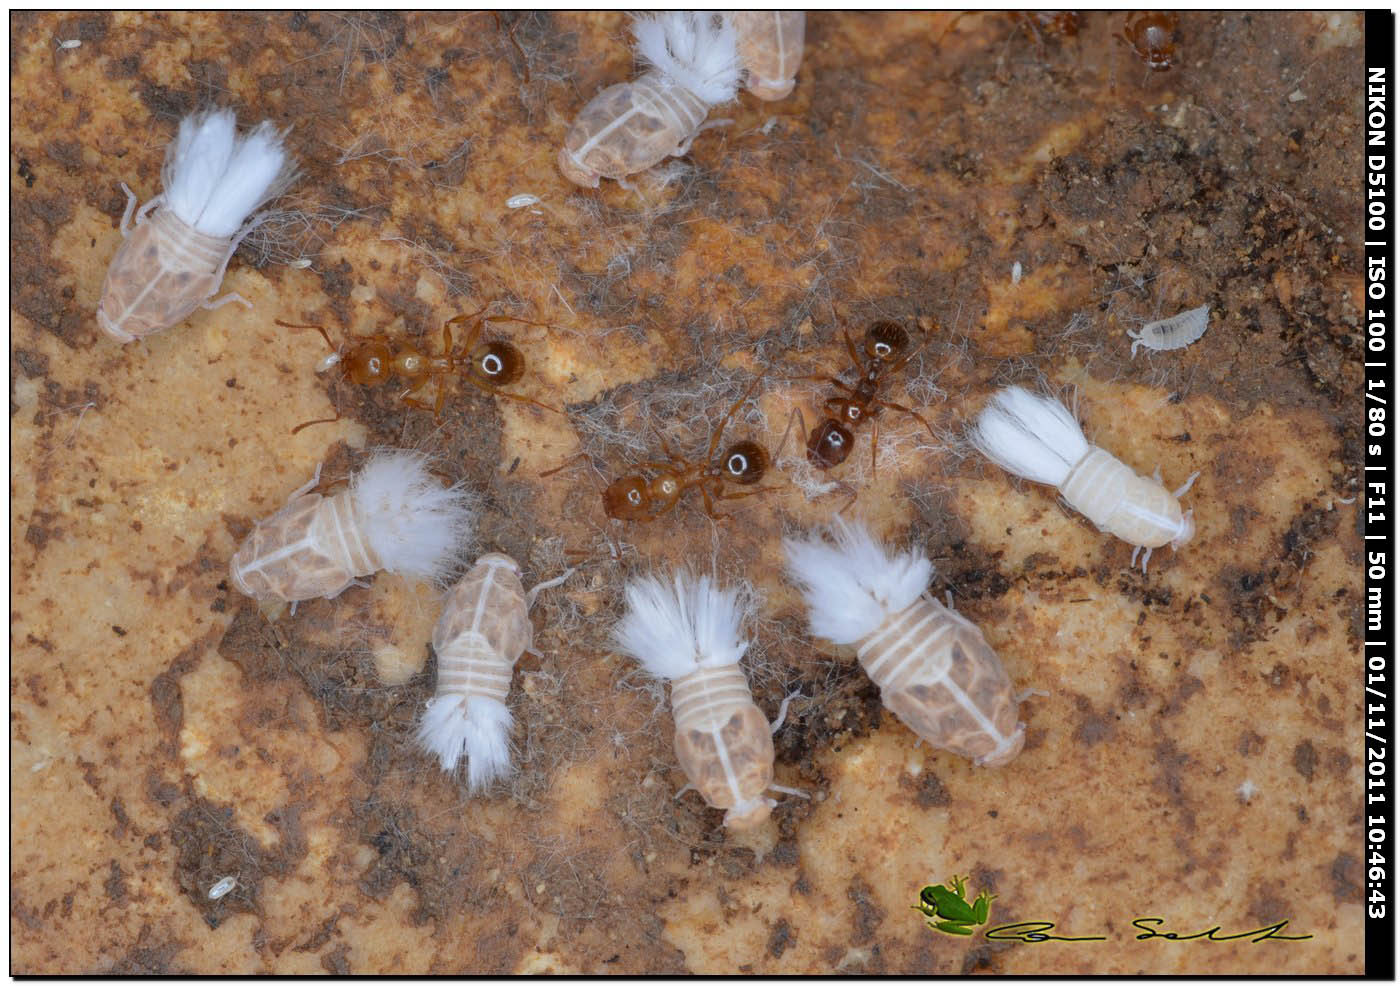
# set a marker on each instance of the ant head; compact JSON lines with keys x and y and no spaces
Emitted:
{"x":368,"y":364}
{"x":1153,"y":37}
{"x":626,"y":499}
{"x":885,"y":341}
{"x":829,"y":445}
{"x":497,"y":363}
{"x":745,"y":463}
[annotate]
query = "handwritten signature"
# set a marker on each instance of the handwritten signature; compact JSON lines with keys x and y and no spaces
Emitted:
{"x":1034,"y":932}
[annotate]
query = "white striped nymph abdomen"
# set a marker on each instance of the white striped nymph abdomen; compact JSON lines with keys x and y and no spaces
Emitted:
{"x":312,"y":548}
{"x":629,"y":127}
{"x":162,"y":272}
{"x":483,"y":630}
{"x":1135,"y":508}
{"x":724,"y":743}
{"x":938,"y":674}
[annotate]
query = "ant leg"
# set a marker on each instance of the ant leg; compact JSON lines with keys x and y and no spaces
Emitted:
{"x":567,"y":462}
{"x":709,"y":504}
{"x":318,"y":421}
{"x":130,"y":208}
{"x":855,"y":493}
{"x":740,"y":495}
{"x":512,"y":318}
{"x":441,"y":397}
{"x":474,"y":321}
{"x":851,"y":347}
{"x":909,"y":411}
{"x":724,"y":422}
{"x":666,"y":451}
{"x":412,"y":401}
{"x":874,"y":443}
{"x":796,"y":413}
{"x":514,"y":397}
{"x":299,"y":327}
{"x":688,"y":787}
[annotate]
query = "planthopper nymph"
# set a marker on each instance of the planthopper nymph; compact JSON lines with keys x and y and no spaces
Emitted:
{"x":631,"y":126}
{"x":483,"y":630}
{"x":770,"y":47}
{"x":173,"y":261}
{"x":1036,"y":438}
{"x":394,"y":516}
{"x":935,"y":670}
{"x":687,"y":632}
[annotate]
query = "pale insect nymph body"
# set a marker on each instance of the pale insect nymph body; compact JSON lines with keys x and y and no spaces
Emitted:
{"x":935,"y":670}
{"x":1176,"y":332}
{"x":173,"y":261}
{"x":483,"y":630}
{"x":770,"y":47}
{"x":393,"y":516}
{"x":631,"y":126}
{"x":1035,"y":437}
{"x":687,"y":632}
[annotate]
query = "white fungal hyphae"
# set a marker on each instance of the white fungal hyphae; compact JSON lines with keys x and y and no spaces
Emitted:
{"x":394,"y":516}
{"x":1176,"y":332}
{"x":483,"y":630}
{"x":935,"y":670}
{"x":770,"y":48}
{"x":631,"y":126}
{"x":688,"y":633}
{"x":174,"y":259}
{"x":1037,"y":438}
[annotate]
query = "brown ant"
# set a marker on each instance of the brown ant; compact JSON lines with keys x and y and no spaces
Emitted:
{"x":1051,"y":23}
{"x":1152,"y":36}
{"x":376,"y":358}
{"x":633,"y":497}
{"x":1038,"y":24}
{"x":884,"y":350}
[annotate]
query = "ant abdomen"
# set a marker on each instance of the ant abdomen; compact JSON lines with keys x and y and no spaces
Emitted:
{"x":745,"y":463}
{"x":885,"y":340}
{"x":497,"y":363}
{"x":829,"y":445}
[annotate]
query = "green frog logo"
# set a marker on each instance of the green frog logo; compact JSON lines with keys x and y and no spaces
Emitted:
{"x":948,"y":911}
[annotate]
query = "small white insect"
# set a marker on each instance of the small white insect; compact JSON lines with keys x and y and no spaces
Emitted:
{"x":688,"y":633}
{"x":223,"y":888}
{"x":1036,"y":438}
{"x":483,"y":630}
{"x":173,"y":262}
{"x":394,"y":516}
{"x":1016,"y":272}
{"x":631,"y":126}
{"x":521,"y":201}
{"x":770,"y":47}
{"x":70,"y":44}
{"x":935,"y":670}
{"x":1176,"y":332}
